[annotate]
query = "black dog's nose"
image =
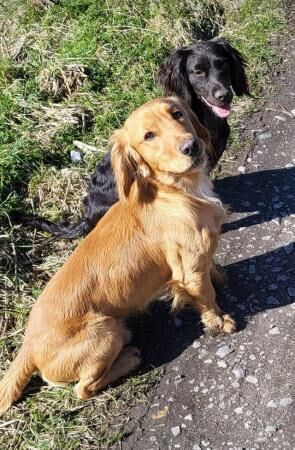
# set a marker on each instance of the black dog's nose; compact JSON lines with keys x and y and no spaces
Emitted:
{"x":189,"y":147}
{"x":223,"y":95}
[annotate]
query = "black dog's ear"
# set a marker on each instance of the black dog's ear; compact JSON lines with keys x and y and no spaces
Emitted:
{"x":238,"y":65}
{"x":172,"y":76}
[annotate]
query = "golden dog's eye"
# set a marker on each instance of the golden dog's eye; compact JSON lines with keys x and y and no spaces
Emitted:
{"x":149,"y":136}
{"x":177,"y":115}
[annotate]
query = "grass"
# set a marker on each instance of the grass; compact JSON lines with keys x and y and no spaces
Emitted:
{"x":73,"y":70}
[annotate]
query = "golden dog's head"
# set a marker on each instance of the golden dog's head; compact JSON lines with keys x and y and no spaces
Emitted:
{"x":161,"y":137}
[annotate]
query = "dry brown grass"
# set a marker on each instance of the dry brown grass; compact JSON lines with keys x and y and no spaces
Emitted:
{"x":61,"y":81}
{"x":58,"y":193}
{"x":52,"y":120}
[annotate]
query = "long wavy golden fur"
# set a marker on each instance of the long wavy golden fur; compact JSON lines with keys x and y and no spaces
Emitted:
{"x":162,"y":233}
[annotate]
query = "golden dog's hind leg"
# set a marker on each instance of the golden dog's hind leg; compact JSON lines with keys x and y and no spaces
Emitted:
{"x":90,"y":356}
{"x":110,"y":360}
{"x":128,"y":360}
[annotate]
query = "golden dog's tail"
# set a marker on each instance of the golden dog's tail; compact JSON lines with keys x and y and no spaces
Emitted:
{"x":15,"y":379}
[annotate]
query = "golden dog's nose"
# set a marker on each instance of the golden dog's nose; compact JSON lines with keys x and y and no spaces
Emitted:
{"x":189,"y":147}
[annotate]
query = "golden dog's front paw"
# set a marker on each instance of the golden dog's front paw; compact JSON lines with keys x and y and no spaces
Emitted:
{"x":218,"y":324}
{"x":229,"y":324}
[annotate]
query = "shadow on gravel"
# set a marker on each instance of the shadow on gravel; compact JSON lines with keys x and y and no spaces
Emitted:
{"x":268,"y":195}
{"x":260,"y":283}
{"x":255,"y":284}
{"x":162,"y":336}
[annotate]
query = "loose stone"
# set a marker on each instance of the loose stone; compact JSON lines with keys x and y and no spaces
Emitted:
{"x":251,"y":379}
{"x":176,"y":431}
{"x":223,"y":351}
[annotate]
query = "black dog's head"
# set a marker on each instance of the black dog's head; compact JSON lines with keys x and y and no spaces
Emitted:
{"x":212,"y":70}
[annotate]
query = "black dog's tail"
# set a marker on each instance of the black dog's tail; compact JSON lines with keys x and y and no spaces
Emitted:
{"x":61,"y":229}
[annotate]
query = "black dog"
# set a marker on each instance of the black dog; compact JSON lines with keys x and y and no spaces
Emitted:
{"x":205,"y":74}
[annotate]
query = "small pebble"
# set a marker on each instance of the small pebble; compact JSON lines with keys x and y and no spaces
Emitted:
{"x":188,"y":417}
{"x":222,"y":364}
{"x":264,"y":135}
{"x":242,"y":169}
{"x":239,"y":410}
{"x":287,"y":401}
{"x":239,"y":372}
{"x":271,"y":404}
{"x":274,"y":331}
{"x":196,"y":344}
{"x":251,"y":379}
{"x":224,"y":351}
{"x":175,"y":431}
{"x":270,"y":429}
{"x":75,"y":156}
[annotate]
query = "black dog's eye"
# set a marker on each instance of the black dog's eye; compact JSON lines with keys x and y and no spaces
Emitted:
{"x":149,"y":136}
{"x":177,"y":115}
{"x":200,"y":72}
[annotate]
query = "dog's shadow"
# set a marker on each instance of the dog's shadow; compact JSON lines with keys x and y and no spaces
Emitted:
{"x":265,"y":195}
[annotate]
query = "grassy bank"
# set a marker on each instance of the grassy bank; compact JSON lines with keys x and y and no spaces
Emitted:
{"x":73,"y":70}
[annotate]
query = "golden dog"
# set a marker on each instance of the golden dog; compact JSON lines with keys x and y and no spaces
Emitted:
{"x":162,"y":233}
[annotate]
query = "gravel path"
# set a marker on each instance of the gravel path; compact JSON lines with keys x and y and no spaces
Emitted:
{"x":237,"y":392}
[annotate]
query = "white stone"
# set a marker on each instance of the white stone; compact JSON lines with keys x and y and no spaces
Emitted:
{"x":176,"y":431}
{"x":196,"y":344}
{"x":287,"y":401}
{"x":75,"y":156}
{"x":188,"y":417}
{"x":239,"y":372}
{"x":274,"y":331}
{"x":270,"y":429}
{"x":224,"y":351}
{"x":251,"y":379}
{"x":222,"y":364}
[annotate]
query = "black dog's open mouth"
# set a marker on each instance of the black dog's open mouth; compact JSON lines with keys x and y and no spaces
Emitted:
{"x":221,"y":111}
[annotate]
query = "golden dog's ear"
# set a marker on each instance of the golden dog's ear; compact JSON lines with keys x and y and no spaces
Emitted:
{"x":127,"y":164}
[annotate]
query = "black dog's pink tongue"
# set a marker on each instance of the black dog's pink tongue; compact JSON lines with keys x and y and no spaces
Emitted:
{"x":221,"y":111}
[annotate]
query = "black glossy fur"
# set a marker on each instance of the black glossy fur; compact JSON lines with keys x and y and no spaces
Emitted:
{"x":209,"y":69}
